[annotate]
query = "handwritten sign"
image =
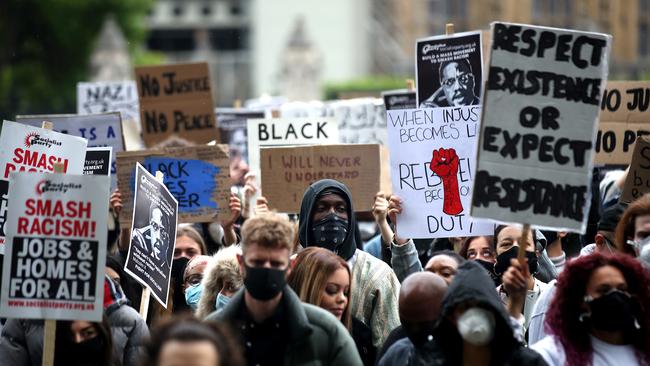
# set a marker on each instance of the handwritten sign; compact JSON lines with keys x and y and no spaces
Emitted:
{"x":56,"y":247}
{"x":624,"y":116}
{"x":539,"y":121}
{"x":109,"y":96}
{"x":288,"y":171}
{"x":176,"y":100}
{"x":638,"y":178}
{"x":33,"y":149}
{"x":433,"y":161}
{"x":99,"y":129}
{"x":153,"y":234}
{"x":197,"y":176}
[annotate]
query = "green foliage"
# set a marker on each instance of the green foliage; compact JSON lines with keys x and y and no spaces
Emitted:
{"x":368,"y":85}
{"x":46,"y":45}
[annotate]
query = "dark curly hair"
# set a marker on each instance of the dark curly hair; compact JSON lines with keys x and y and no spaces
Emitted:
{"x":562,"y":319}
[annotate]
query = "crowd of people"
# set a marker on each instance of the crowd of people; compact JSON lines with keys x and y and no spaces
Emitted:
{"x":265,"y":289}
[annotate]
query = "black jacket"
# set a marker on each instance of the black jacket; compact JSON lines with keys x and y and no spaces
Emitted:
{"x":312,"y":193}
{"x":472,"y":284}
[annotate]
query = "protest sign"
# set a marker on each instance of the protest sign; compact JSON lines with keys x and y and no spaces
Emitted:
{"x":197,"y":176}
{"x":361,"y":121}
{"x":624,"y":116}
{"x":153,"y":234}
{"x":287,"y":132}
{"x":99,"y":129}
{"x":288,"y":171}
{"x":399,"y":99}
{"x":449,"y":70}
{"x":176,"y":100}
{"x":56,"y":247}
{"x":232,"y":124}
{"x":433,"y":160}
{"x":109,"y":96}
{"x":638,"y":177}
{"x":98,"y":161}
{"x":539,"y":122}
{"x":34,"y":149}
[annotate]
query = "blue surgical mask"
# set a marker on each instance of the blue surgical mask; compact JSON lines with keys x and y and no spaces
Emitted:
{"x":193,"y":295}
{"x":222,"y":301}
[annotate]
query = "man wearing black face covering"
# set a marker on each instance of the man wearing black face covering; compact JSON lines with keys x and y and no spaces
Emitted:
{"x":420,"y":300}
{"x":327,"y":220}
{"x":275,"y":327}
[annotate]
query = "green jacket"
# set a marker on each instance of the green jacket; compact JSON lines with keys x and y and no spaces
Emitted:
{"x":316,"y":337}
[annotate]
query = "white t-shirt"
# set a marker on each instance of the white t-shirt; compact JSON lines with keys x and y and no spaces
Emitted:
{"x":605,"y":354}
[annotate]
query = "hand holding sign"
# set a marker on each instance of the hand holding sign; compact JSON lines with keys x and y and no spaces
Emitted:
{"x":445,"y":164}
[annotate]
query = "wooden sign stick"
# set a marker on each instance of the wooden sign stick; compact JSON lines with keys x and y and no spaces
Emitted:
{"x":146,"y":292}
{"x":410,"y":84}
{"x":449,"y":29}
{"x":523,"y":243}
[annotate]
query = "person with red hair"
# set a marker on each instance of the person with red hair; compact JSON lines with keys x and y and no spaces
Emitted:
{"x":600,"y":313}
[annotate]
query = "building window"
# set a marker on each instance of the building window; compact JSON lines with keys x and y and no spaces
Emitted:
{"x":228,"y":39}
{"x":206,"y":9}
{"x":644,"y":40}
{"x":177,"y":10}
{"x":175,"y":40}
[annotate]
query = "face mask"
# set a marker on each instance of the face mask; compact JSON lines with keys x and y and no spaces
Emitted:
{"x":222,"y":301}
{"x":612,"y":312}
{"x":489,"y":267}
{"x":86,"y":352}
{"x":503,"y":261}
{"x":264,"y":283}
{"x":193,"y":295}
{"x":330,"y":232}
{"x":476,"y":326}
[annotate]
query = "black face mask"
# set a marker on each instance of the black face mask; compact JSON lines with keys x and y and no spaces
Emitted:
{"x":87,"y":352}
{"x":489,"y":267}
{"x":330,"y":232}
{"x":178,"y":297}
{"x":264,"y":283}
{"x":612,"y":312}
{"x":503,"y":261}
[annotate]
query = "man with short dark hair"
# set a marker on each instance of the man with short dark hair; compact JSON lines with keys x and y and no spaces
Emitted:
{"x":276,"y":328}
{"x":456,"y":86}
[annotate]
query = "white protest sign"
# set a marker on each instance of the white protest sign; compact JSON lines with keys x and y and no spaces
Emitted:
{"x":361,"y":121}
{"x":153,"y":234}
{"x":432,"y":158}
{"x":56,"y":247}
{"x":288,"y":132}
{"x":539,"y":123}
{"x":33,"y":149}
{"x":99,"y":129}
{"x":109,"y":96}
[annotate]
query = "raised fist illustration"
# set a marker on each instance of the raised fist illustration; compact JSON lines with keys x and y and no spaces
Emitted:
{"x":445,"y":165}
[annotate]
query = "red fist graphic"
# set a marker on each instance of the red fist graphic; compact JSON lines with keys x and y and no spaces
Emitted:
{"x":445,"y":164}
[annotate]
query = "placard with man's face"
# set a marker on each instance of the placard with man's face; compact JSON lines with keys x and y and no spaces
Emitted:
{"x":449,"y":70}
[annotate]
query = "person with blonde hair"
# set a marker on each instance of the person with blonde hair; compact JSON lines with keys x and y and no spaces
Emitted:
{"x":322,"y":278}
{"x":274,"y":326}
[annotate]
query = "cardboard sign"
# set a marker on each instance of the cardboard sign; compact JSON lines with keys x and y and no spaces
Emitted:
{"x":399,"y":99}
{"x":176,"y":100}
{"x":99,"y":129}
{"x":197,"y":176}
{"x":33,"y":149}
{"x":109,"y":96}
{"x":638,"y":178}
{"x":624,"y":116}
{"x":56,"y":247}
{"x":433,"y":161}
{"x":287,"y":132}
{"x":98,"y":161}
{"x":449,"y":70}
{"x":539,"y":122}
{"x":233,"y":124}
{"x":288,"y":171}
{"x":153,"y":234}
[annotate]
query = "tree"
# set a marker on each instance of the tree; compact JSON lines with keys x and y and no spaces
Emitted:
{"x":45,"y":47}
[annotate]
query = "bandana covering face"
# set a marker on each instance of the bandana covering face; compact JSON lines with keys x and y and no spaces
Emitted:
{"x":330,"y":232}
